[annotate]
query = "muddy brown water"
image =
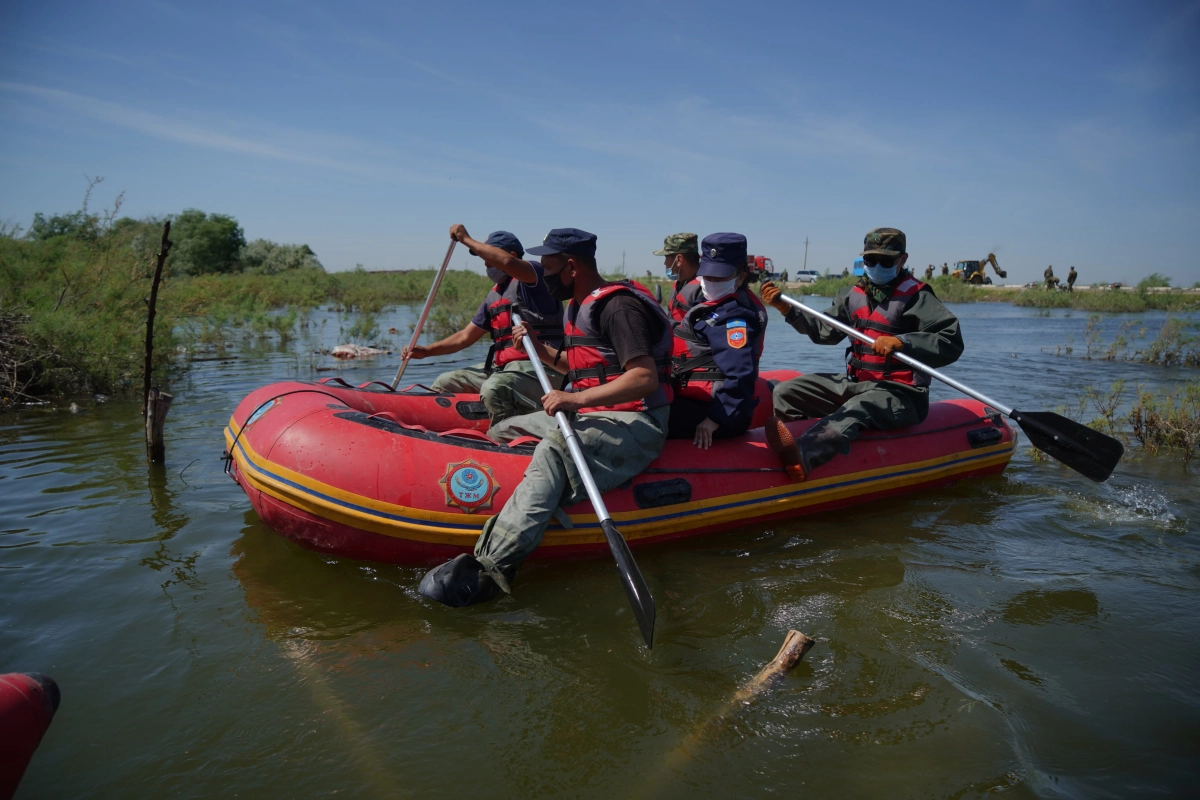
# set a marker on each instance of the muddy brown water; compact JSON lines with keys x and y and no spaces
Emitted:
{"x":1032,"y":634}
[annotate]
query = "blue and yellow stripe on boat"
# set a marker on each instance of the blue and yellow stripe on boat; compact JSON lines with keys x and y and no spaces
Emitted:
{"x":460,"y":530}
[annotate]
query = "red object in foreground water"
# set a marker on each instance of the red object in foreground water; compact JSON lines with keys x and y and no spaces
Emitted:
{"x":411,"y":476}
{"x":27,"y":705}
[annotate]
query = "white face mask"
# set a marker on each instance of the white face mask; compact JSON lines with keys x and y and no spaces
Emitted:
{"x":715,"y":290}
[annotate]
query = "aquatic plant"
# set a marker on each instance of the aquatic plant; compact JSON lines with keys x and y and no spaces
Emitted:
{"x":1168,"y":419}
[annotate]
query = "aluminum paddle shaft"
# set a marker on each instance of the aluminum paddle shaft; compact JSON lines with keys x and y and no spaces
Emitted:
{"x":851,"y":331}
{"x":631,"y":577}
{"x":1087,"y":451}
{"x":437,"y":281}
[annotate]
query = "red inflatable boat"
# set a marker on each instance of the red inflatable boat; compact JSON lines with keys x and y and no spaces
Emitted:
{"x":410,"y":476}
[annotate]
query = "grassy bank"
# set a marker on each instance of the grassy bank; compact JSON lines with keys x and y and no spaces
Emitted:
{"x":73,"y":312}
{"x":1107,"y":301}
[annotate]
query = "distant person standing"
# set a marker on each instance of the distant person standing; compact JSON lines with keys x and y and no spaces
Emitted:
{"x":1071,"y":276}
{"x":945,"y":268}
{"x":1051,"y":281}
{"x":929,"y":272}
{"x":783,"y":277}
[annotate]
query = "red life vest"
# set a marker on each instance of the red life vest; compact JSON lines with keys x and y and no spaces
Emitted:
{"x":498,"y":307}
{"x":591,"y":361}
{"x":684,"y":298}
{"x":692,"y":364}
{"x":886,"y":318}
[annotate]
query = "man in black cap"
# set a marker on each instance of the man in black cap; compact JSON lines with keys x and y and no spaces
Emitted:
{"x":617,"y":349}
{"x":506,"y":382}
{"x":903,"y":316}
{"x":717,"y":347}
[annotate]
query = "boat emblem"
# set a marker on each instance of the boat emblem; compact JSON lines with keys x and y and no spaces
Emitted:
{"x":258,"y":412}
{"x":469,"y":485}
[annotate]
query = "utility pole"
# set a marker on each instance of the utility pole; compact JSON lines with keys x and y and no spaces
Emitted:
{"x":622,"y":262}
{"x":805,"y":267}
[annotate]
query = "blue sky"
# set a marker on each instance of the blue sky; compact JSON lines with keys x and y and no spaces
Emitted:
{"x":1050,"y":132}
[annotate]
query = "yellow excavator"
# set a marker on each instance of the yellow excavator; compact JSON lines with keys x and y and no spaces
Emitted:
{"x":972,"y":271}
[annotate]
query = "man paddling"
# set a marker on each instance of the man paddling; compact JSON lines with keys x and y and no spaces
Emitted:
{"x":617,"y":349}
{"x":682,"y":261}
{"x":904,"y":316}
{"x":506,"y":382}
{"x":717,"y":347}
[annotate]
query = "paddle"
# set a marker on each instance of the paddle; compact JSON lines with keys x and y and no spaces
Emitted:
{"x":437,"y":281}
{"x":1084,"y":450}
{"x":631,"y":577}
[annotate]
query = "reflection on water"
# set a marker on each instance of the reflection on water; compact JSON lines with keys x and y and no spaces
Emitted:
{"x":1032,"y":634}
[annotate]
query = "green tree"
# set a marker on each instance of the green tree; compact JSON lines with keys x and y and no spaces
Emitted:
{"x":78,"y":225}
{"x":1153,"y":280}
{"x":269,"y":258}
{"x":205,"y":243}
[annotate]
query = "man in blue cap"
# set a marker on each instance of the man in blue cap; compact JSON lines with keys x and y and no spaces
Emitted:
{"x":717,"y":347}
{"x":617,"y":351}
{"x":506,"y":382}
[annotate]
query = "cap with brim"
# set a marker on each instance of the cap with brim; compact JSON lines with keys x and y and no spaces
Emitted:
{"x":884,"y":242}
{"x":507,"y":242}
{"x":722,"y":255}
{"x":567,"y":241}
{"x":679,"y":244}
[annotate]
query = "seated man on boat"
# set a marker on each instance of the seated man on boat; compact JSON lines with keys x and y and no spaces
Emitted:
{"x":617,"y":350}
{"x":506,"y":382}
{"x":717,"y":347}
{"x":682,"y":260}
{"x":904,"y":316}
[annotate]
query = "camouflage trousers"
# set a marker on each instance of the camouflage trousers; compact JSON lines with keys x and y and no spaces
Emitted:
{"x":617,"y":445}
{"x":509,"y":391}
{"x":849,"y":406}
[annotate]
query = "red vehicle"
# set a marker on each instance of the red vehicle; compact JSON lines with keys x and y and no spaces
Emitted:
{"x":760,"y":264}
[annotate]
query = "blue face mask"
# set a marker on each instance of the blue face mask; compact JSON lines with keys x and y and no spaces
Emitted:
{"x":880,"y":275}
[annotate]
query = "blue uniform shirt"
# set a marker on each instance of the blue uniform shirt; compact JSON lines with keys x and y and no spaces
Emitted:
{"x":734,"y":333}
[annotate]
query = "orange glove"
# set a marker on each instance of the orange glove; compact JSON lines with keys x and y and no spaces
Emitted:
{"x":886,"y":345}
{"x":770,"y":295}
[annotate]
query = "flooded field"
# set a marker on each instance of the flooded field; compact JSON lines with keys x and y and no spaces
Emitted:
{"x":1032,"y":634}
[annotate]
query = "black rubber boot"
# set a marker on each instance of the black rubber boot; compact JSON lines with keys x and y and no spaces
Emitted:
{"x":819,"y":445}
{"x":462,"y":581}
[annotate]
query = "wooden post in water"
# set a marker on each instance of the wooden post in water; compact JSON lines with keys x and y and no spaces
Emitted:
{"x":155,"y":403}
{"x":158,"y":403}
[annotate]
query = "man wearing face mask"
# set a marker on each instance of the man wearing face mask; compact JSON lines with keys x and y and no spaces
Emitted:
{"x":506,"y":382}
{"x":617,"y":347}
{"x":717,"y":348}
{"x":682,"y":259}
{"x":903,"y":316}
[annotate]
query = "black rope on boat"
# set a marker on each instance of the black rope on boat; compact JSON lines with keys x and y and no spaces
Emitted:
{"x":228,"y":455}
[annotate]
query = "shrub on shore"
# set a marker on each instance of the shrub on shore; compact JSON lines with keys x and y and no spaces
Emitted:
{"x":1107,"y":301}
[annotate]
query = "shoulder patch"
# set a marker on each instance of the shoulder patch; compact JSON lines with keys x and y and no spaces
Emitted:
{"x":735,"y":334}
{"x":736,"y":323}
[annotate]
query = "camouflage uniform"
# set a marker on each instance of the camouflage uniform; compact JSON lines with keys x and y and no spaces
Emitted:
{"x":680,"y":244}
{"x":931,"y":335}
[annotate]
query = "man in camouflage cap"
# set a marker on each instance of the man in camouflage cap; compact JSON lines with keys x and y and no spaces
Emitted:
{"x":902,"y":315}
{"x":682,"y":260}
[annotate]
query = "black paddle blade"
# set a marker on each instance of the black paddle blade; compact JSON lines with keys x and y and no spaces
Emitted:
{"x":1084,"y":450}
{"x":631,"y":578}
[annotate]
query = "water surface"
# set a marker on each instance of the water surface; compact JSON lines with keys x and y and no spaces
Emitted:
{"x":1032,"y":634}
